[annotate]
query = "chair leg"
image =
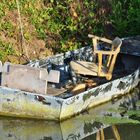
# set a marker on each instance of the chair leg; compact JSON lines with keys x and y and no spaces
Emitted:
{"x":98,"y":135}
{"x":108,"y":77}
{"x":116,"y":132}
{"x":109,"y":59}
{"x":102,"y":134}
{"x":100,"y":63}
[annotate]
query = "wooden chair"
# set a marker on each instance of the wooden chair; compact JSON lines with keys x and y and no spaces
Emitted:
{"x":99,"y":69}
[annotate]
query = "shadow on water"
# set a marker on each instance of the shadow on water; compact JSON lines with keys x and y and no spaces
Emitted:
{"x":118,"y":119}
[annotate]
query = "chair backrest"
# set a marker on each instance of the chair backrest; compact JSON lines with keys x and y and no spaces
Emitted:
{"x":95,"y":40}
{"x":116,"y":44}
{"x":95,"y":43}
{"x":112,"y":54}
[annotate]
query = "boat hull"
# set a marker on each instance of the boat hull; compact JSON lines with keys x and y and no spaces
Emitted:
{"x":29,"y":105}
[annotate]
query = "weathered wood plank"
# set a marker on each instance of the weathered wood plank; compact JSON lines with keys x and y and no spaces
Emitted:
{"x":100,"y":38}
{"x":85,"y":68}
{"x":55,"y":91}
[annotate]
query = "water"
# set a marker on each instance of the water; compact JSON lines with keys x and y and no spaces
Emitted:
{"x":118,"y":119}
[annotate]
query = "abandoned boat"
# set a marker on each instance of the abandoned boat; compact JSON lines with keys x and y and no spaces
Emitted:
{"x":75,"y":81}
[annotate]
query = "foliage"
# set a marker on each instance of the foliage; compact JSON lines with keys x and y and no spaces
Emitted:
{"x":6,"y":49}
{"x":64,"y":25}
{"x":69,"y":22}
{"x":134,"y":112}
{"x":125,"y":17}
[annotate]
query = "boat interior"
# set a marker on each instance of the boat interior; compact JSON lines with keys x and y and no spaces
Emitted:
{"x":68,"y":74}
{"x":125,"y":65}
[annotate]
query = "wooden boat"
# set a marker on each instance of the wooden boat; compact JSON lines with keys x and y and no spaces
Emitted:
{"x":29,"y":91}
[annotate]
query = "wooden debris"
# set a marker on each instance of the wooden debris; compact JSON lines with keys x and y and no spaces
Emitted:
{"x":84,"y":86}
{"x":55,"y":91}
{"x":28,"y":78}
{"x":79,"y":88}
{"x":90,"y":83}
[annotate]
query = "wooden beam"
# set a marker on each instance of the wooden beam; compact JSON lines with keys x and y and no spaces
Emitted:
{"x":79,"y":88}
{"x":106,"y":52}
{"x":100,"y":63}
{"x":100,"y":38}
{"x":116,"y":132}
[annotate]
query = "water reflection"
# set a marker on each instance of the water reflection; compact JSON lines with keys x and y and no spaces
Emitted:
{"x":102,"y":122}
{"x":122,"y":132}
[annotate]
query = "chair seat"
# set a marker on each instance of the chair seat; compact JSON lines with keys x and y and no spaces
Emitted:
{"x":86,"y":68}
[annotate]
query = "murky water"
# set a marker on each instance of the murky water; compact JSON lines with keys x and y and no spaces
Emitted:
{"x":118,"y":119}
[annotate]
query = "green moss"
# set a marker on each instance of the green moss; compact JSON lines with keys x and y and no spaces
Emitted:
{"x":133,"y":112}
{"x":116,"y":120}
{"x":138,"y":103}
